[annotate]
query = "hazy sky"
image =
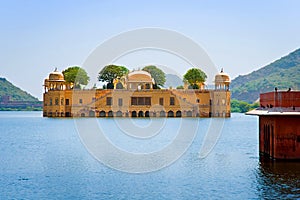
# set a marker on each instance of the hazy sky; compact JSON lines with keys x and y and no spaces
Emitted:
{"x":239,"y":36}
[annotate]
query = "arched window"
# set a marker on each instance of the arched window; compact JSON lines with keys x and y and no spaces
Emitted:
{"x":147,"y":114}
{"x":91,"y":113}
{"x":178,"y":113}
{"x":170,"y":113}
{"x":110,"y":113}
{"x":102,"y":113}
{"x":119,"y":114}
{"x":189,"y":113}
{"x":141,"y":114}
{"x":119,"y":86}
{"x":133,"y":114}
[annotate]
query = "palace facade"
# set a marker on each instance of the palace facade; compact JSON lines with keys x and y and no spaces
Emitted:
{"x":134,"y":96}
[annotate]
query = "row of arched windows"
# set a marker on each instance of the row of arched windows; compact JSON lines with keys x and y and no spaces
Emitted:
{"x":138,"y":114}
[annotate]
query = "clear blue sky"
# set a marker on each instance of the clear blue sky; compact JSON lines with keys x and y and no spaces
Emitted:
{"x":240,"y":36}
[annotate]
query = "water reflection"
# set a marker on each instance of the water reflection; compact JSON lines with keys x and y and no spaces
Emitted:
{"x":278,"y":179}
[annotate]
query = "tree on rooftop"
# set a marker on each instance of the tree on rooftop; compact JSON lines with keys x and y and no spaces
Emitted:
{"x":157,"y":74}
{"x":76,"y":75}
{"x":111,"y":72}
{"x":194,"y":76}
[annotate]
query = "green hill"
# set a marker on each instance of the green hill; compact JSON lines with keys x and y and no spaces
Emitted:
{"x":284,"y":73}
{"x":15,"y":93}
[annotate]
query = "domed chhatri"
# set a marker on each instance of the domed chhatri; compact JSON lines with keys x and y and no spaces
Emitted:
{"x":135,"y":80}
{"x":134,"y":96}
{"x":222,"y":81}
{"x":139,"y":80}
{"x":56,"y":81}
{"x":56,"y":76}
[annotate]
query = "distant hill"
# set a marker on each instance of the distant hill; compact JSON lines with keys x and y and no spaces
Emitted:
{"x":14,"y":93}
{"x":173,"y":80}
{"x":283,"y":73}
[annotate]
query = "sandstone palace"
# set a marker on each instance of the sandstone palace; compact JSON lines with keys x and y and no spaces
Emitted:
{"x":137,"y":98}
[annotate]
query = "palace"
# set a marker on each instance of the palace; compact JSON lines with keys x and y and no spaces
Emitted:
{"x":134,"y":96}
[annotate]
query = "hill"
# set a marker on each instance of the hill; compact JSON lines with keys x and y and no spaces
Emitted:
{"x":282,"y":73}
{"x":172,"y":80}
{"x":14,"y":93}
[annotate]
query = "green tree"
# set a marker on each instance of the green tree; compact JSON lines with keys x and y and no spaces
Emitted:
{"x":157,"y":74}
{"x":242,"y":106}
{"x":234,"y":104}
{"x":111,"y":72}
{"x":194,"y":76}
{"x":76,"y":75}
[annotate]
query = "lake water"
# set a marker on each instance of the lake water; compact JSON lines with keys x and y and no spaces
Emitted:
{"x":44,"y":158}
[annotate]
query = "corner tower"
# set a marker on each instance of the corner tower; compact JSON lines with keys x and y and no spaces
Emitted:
{"x":220,"y":102}
{"x":222,"y":81}
{"x":55,"y":81}
{"x":54,"y":94}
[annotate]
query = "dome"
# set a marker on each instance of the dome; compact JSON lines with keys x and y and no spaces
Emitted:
{"x":56,"y":76}
{"x":139,"y":76}
{"x":222,"y":77}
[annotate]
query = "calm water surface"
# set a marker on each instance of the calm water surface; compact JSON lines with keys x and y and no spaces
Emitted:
{"x":43,"y":158}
